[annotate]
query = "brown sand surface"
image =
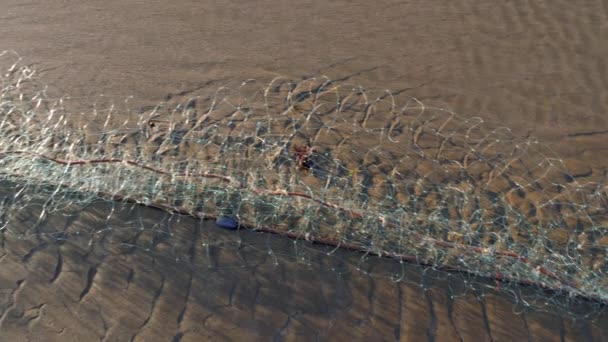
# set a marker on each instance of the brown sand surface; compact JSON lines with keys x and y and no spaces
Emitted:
{"x":85,"y":289}
{"x":537,"y":67}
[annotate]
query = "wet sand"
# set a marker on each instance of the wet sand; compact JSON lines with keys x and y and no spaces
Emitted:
{"x":193,"y":282}
{"x":536,"y":67}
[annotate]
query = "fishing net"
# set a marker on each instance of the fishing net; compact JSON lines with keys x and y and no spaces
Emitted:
{"x":318,"y":162}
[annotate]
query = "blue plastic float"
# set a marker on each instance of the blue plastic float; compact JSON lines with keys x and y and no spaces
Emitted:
{"x":227,"y":222}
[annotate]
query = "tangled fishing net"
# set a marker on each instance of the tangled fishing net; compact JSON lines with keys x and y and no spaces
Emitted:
{"x":321,"y":162}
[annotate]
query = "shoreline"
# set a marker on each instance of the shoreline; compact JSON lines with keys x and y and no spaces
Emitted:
{"x":535,"y":67}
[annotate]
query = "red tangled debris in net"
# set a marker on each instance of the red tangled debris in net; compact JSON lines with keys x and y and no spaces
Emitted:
{"x":302,"y":154}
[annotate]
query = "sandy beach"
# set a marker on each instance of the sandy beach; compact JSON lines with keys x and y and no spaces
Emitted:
{"x":535,"y":67}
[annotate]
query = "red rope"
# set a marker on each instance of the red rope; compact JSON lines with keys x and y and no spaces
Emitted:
{"x":477,"y":250}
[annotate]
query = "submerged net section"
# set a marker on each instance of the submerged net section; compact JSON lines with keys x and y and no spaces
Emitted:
{"x":323,"y":162}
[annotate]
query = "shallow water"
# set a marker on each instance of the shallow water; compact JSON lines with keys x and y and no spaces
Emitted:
{"x":536,"y":67}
